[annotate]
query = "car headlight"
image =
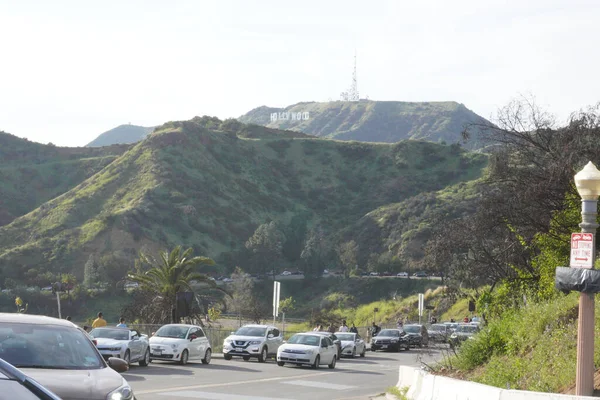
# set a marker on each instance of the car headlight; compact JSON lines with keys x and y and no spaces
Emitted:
{"x":174,"y":346}
{"x":115,"y":348}
{"x":227,"y":341}
{"x":309,"y":351}
{"x":255,"y":342}
{"x":394,"y":341}
{"x":123,"y":392}
{"x":453,"y":336}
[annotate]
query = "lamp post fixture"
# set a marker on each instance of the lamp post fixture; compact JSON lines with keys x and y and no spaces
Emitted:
{"x":587,"y":182}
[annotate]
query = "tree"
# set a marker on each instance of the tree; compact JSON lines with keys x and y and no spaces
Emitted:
{"x":91,"y":272}
{"x":314,"y":253}
{"x":286,"y":305}
{"x":266,"y":244}
{"x":172,"y":272}
{"x":347,"y":254}
{"x":243,"y":300}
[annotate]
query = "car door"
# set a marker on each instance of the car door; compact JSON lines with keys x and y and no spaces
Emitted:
{"x":332,"y":349}
{"x":360,"y":344}
{"x":135,"y":345}
{"x":277,"y":340}
{"x":202,"y":342}
{"x":192,"y":344}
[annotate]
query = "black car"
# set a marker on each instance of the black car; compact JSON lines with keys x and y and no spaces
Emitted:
{"x":418,"y":336}
{"x":439,"y":333}
{"x":334,"y":339}
{"x":390,"y":339}
{"x":21,"y":387}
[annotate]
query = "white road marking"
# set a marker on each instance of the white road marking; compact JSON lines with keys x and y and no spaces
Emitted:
{"x":320,"y":385}
{"x":215,"y":396}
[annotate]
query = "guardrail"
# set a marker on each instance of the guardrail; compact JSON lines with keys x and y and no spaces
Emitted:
{"x":425,"y":386}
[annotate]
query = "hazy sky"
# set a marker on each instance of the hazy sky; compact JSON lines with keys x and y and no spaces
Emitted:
{"x":70,"y":70}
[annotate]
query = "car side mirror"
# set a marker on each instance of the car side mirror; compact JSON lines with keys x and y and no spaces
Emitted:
{"x":193,"y":337}
{"x":118,"y":365}
{"x":270,"y":336}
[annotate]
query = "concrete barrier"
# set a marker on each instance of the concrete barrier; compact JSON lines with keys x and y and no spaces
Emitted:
{"x":426,"y":386}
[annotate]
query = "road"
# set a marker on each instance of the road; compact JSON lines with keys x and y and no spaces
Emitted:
{"x":356,"y":379}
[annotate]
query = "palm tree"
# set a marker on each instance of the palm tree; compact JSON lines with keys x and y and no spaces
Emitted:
{"x":172,"y":273}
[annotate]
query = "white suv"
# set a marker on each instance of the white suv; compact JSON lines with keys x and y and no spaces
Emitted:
{"x":259,"y":341}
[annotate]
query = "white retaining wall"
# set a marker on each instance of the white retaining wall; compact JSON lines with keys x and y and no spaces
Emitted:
{"x":425,"y":386}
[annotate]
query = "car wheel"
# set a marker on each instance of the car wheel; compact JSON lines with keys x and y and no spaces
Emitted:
{"x":207,"y":356}
{"x":146,"y":360}
{"x":280,"y":363}
{"x":227,"y":356}
{"x":127,"y":357}
{"x":246,"y":358}
{"x":332,"y":365}
{"x":316,"y":363}
{"x":262,"y":357}
{"x":184,"y":357}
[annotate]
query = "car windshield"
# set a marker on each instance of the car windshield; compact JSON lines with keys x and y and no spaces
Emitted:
{"x":438,"y":328}
{"x":172,"y":331}
{"x":47,"y":347}
{"x":467,"y":329}
{"x":309,"y":340}
{"x":412,"y":328}
{"x":389,"y":332}
{"x":345,"y":336}
{"x":251,"y":331}
{"x":104,"y":333}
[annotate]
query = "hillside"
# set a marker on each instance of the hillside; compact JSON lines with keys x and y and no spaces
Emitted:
{"x":204,"y":183}
{"x":122,"y":134}
{"x":373,"y":121}
{"x":33,"y":173}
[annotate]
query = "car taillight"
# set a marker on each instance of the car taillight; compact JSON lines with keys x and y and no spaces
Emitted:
{"x":95,"y":342}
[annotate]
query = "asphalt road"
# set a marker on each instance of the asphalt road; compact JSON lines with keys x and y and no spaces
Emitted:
{"x":357,"y":379}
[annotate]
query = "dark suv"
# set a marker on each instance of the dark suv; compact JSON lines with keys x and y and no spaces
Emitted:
{"x":390,"y":339}
{"x":417,"y":335}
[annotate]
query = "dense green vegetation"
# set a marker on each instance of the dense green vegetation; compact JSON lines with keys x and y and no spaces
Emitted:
{"x":375,"y":121}
{"x":209,"y":184}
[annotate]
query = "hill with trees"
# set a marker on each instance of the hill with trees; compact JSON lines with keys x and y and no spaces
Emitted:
{"x":373,"y":121}
{"x":240,"y":194}
{"x":122,"y":134}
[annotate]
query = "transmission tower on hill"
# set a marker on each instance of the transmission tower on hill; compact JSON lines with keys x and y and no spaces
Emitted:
{"x":352,"y":93}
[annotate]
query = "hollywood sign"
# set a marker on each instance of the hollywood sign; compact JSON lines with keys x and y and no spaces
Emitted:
{"x":287,"y":116}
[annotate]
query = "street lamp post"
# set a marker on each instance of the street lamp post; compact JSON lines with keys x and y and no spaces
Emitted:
{"x":588,"y":186}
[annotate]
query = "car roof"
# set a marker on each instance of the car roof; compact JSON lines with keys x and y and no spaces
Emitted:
{"x":257,"y":326}
{"x":323,"y":333}
{"x":115,"y":327}
{"x":182,"y":325}
{"x":21,"y":318}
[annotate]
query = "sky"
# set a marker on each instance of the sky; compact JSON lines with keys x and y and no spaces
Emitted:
{"x":70,"y":70}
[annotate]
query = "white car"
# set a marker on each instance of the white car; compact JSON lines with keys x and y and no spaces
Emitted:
{"x":286,"y":273}
{"x":402,"y":274}
{"x":180,"y":343}
{"x":260,"y":341}
{"x":308,"y":349}
{"x":352,"y":344}
{"x":123,"y":343}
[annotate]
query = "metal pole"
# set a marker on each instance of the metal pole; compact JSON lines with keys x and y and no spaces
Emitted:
{"x":585,"y":328}
{"x":58,"y":302}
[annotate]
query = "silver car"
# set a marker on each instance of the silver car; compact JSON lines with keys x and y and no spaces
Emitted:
{"x":61,"y":357}
{"x":124,"y":343}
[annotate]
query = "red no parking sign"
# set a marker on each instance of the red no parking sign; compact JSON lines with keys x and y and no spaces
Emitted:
{"x":582,"y":246}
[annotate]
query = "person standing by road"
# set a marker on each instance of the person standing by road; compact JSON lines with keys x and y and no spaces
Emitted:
{"x":344,"y":327}
{"x":122,"y":323}
{"x":317,"y":328}
{"x":353,"y":328}
{"x":99,"y":322}
{"x":331,"y":328}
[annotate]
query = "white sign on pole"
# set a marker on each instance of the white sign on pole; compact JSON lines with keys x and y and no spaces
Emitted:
{"x":276,"y":289}
{"x":421,"y":304}
{"x":582,"y":246}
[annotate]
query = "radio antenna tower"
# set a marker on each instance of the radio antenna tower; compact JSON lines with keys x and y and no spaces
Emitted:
{"x":352,"y":93}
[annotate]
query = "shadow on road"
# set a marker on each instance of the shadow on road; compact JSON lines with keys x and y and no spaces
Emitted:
{"x":354,"y":371}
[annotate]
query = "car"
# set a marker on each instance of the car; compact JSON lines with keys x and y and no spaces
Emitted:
{"x":334,"y":339}
{"x":418,"y":336}
{"x":374,"y":274}
{"x":308,"y":349}
{"x":286,"y":273}
{"x":439,"y":333}
{"x":463,"y":332}
{"x":390,"y":339}
{"x":47,"y":289}
{"x":61,"y":357}
{"x":131,"y":285}
{"x":180,"y":343}
{"x":227,"y":280}
{"x":21,"y":386}
{"x":420,"y":274}
{"x":325,"y":272}
{"x":259,"y":341}
{"x":124,"y":343}
{"x":402,"y":274}
{"x":451,"y":326}
{"x":352,"y":344}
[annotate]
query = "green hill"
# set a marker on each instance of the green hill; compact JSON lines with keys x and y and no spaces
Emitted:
{"x":126,"y":134}
{"x":33,"y":173}
{"x":373,"y":121}
{"x":208,"y":184}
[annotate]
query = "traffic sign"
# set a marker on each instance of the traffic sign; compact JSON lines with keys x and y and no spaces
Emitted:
{"x":582,"y":247}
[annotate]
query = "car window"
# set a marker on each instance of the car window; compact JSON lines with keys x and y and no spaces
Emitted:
{"x":412,"y":328}
{"x":193,"y":331}
{"x":251,"y":331}
{"x":16,"y":390}
{"x":346,"y":336}
{"x":270,"y":332}
{"x":108,"y":333}
{"x":389,"y":332}
{"x":309,"y":340}
{"x":333,"y":337}
{"x":200,"y":333}
{"x":329,"y":342}
{"x":276,"y":332}
{"x":172,"y":331}
{"x":47,"y":346}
